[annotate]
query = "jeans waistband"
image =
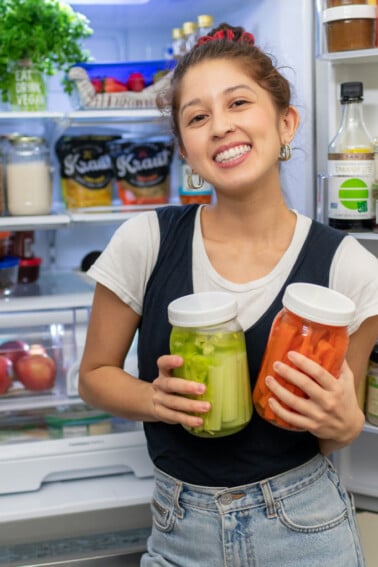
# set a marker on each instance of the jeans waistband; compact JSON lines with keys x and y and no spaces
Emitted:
{"x":238,"y":497}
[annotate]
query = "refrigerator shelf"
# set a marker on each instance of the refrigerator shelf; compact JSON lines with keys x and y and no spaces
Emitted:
{"x":34,"y":400}
{"x":83,"y":117}
{"x":54,"y":292}
{"x":39,"y":222}
{"x":354,"y":57}
{"x":92,"y":547}
{"x":89,"y":215}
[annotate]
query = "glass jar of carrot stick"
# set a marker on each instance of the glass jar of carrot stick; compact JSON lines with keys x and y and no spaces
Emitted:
{"x":314,"y":321}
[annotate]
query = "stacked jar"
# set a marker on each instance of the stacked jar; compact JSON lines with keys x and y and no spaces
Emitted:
{"x":29,"y":264}
{"x":349,"y":25}
{"x":9,"y":266}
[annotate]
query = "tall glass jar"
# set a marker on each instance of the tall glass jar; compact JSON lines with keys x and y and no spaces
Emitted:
{"x":206,"y":333}
{"x":314,"y":322}
{"x":28,"y":176}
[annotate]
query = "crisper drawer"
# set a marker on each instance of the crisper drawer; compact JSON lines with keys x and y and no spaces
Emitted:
{"x":42,"y":332}
{"x":36,"y":351}
{"x":358,"y":463}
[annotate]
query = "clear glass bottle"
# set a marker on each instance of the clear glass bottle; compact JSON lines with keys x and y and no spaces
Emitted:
{"x":28,"y":176}
{"x":205,"y":24}
{"x":188,"y":195}
{"x":313,"y":322}
{"x":178,"y":43}
{"x":190,"y":34}
{"x":351,"y":166}
{"x":207,"y":334}
{"x":372,"y":388}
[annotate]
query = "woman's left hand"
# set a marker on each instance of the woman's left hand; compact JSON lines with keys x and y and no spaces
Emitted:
{"x":331,"y":410}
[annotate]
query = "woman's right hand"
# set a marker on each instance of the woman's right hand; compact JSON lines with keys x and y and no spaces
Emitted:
{"x":171,"y":396}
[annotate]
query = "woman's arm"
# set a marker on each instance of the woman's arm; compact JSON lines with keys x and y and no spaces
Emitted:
{"x":330,"y":411}
{"x":102,"y":380}
{"x":104,"y":384}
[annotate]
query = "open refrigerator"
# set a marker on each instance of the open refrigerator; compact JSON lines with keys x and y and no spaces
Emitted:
{"x":79,"y":486}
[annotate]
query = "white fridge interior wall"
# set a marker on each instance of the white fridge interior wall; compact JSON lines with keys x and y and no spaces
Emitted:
{"x":143,"y":32}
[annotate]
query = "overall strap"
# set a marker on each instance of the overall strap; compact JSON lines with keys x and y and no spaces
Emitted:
{"x":170,"y":279}
{"x":312,"y":266}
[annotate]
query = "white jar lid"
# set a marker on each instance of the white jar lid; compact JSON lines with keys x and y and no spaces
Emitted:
{"x":202,"y":309}
{"x":319,"y":304}
{"x":351,"y":12}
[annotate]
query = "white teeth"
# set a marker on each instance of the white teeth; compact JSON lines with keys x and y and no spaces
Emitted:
{"x":232,"y":153}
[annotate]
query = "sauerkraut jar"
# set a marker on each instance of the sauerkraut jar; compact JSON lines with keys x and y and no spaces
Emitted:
{"x":207,"y":334}
{"x":314,"y":322}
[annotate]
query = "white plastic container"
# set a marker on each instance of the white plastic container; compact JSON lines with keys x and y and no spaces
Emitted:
{"x":206,"y":333}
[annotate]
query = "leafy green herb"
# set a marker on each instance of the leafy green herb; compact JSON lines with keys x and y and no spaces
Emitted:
{"x":47,"y":33}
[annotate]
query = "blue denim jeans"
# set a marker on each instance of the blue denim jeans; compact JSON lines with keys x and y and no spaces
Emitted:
{"x":301,"y":518}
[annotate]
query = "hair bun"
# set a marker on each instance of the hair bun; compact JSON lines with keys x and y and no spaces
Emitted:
{"x":227,"y":34}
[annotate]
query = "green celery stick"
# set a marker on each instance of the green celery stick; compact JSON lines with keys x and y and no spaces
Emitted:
{"x":230,"y":390}
{"x":212,"y":420}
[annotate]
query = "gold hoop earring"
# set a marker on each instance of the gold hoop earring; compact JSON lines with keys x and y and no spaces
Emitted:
{"x":286,"y":152}
{"x":191,"y":183}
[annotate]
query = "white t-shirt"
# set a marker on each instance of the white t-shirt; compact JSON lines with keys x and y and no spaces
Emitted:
{"x":128,"y":260}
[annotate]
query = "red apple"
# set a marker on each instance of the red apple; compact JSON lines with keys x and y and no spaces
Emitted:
{"x":6,"y":368}
{"x":36,"y":371}
{"x":14,"y":349}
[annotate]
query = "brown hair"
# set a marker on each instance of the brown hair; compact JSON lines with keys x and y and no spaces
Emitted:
{"x":241,"y":47}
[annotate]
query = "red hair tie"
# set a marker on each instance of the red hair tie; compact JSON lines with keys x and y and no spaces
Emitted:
{"x":228,"y":35}
{"x":247,"y":38}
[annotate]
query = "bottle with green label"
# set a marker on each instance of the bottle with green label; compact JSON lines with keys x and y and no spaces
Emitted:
{"x":351,"y":166}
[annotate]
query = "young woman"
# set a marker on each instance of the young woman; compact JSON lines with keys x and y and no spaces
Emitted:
{"x":263,"y":496}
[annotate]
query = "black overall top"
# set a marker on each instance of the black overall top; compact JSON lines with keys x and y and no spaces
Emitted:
{"x":260,"y":450}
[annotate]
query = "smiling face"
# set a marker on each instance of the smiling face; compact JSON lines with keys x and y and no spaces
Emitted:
{"x":230,"y":129}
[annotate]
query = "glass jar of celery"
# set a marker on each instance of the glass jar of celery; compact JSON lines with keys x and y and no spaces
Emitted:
{"x":206,"y":333}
